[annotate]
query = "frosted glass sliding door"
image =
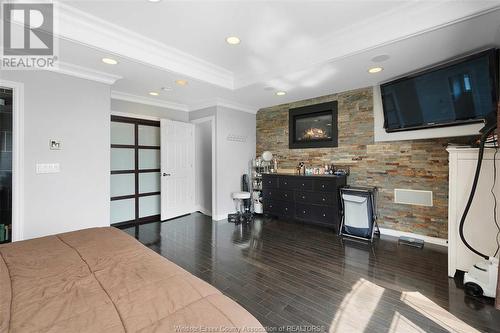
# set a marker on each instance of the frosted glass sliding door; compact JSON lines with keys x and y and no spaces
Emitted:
{"x":6,"y":118}
{"x":135,"y":170}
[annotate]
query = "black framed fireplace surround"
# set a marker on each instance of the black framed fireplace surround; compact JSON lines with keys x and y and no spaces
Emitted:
{"x":313,"y":126}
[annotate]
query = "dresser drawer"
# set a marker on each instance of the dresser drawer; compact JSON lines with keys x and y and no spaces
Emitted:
{"x":271,"y":207}
{"x":269,"y":181}
{"x":286,"y":183}
{"x":327,"y":215}
{"x":325,"y":185}
{"x":304,"y":212}
{"x":316,"y":198}
{"x":303,"y":184}
{"x":275,"y":194}
{"x":286,"y":195}
{"x":270,"y":194}
{"x":287,"y":209}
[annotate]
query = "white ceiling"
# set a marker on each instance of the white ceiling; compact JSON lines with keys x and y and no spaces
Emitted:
{"x":306,"y":48}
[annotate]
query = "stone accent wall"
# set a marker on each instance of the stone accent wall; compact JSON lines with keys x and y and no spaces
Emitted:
{"x":417,"y":164}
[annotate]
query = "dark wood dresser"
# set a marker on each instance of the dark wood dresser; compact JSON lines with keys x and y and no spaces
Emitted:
{"x":310,"y":199}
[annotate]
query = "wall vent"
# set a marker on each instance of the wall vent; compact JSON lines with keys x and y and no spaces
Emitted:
{"x":413,"y":197}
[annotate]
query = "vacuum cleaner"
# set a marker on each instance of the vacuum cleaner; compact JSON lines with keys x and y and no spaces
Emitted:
{"x":481,"y":279}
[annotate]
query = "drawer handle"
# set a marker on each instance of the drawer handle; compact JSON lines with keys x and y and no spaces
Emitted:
{"x":324,"y":215}
{"x":286,"y":183}
{"x":269,"y":182}
{"x":286,"y":208}
{"x":303,"y":197}
{"x":270,"y":206}
{"x":324,"y":199}
{"x":323,"y":186}
{"x":303,"y":184}
{"x":286,"y":195}
{"x":303,"y":212}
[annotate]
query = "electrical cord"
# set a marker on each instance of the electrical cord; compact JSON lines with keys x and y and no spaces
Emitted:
{"x":484,"y":137}
{"x":495,"y":198}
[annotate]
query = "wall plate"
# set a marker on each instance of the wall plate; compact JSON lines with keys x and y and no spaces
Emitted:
{"x":413,"y":197}
{"x":55,"y":144}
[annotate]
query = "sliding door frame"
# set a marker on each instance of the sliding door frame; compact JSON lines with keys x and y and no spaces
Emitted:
{"x":136,"y":171}
{"x":17,"y":157}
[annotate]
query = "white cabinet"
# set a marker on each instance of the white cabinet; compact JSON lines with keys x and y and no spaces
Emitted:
{"x":479,"y":230}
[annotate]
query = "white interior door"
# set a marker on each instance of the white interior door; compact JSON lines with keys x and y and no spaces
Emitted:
{"x":177,"y":169}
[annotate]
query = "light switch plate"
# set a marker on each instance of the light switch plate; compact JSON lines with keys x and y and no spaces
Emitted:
{"x":55,"y":144}
{"x":48,"y":168}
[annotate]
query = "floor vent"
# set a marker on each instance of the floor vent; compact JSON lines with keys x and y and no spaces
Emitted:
{"x":413,"y":197}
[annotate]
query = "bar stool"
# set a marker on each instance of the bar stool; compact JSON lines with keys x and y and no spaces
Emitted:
{"x":238,"y":198}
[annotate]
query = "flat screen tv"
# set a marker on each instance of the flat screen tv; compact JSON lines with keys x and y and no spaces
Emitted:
{"x":458,"y":92}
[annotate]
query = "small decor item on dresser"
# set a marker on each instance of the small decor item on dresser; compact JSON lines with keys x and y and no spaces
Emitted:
{"x":359,"y":212}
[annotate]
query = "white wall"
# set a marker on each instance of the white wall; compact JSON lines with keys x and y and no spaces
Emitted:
{"x":233,"y":158}
{"x":203,"y":167}
{"x":75,"y":111}
{"x":138,"y":109}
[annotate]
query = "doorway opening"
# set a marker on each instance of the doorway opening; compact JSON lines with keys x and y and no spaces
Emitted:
{"x":205,"y":165}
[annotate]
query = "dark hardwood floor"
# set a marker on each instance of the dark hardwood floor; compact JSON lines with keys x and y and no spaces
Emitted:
{"x":294,"y":277}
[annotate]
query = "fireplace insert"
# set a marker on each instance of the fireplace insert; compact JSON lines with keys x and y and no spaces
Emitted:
{"x":313,"y":126}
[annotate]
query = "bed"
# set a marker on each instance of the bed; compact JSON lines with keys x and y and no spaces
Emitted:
{"x":103,"y":280}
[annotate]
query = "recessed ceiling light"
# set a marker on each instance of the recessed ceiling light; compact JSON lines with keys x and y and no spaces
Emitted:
{"x":233,"y":40}
{"x":181,"y":82}
{"x":109,"y":61}
{"x":166,"y":88}
{"x":374,"y":70}
{"x":154,"y":0}
{"x":280,"y":93}
{"x":153,"y":93}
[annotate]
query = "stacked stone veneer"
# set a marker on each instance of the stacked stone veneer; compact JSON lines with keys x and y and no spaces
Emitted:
{"x":413,"y":164}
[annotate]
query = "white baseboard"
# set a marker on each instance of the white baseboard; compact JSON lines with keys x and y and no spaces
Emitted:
{"x":428,"y":239}
{"x":219,"y":217}
{"x":203,"y":210}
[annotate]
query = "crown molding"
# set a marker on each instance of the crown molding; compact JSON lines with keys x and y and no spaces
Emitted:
{"x":236,"y":106}
{"x":84,"y":73}
{"x":148,"y":101}
{"x":85,"y":29}
{"x":224,"y":103}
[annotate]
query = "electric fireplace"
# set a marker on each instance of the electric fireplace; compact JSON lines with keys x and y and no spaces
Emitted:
{"x":313,"y":126}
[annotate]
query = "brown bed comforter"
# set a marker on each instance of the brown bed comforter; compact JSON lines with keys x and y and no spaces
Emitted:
{"x":103,"y":280}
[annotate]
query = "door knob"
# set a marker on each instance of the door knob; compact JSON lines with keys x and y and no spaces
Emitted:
{"x":166,"y":174}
